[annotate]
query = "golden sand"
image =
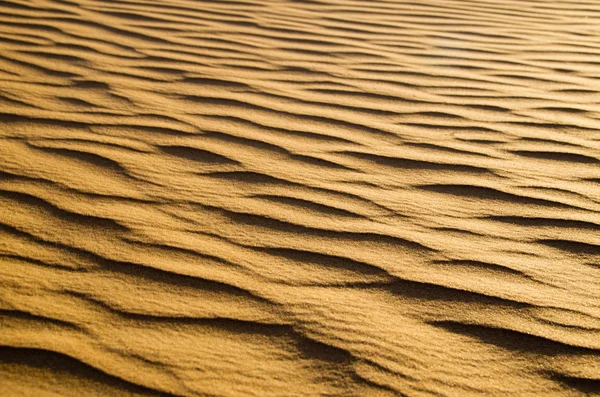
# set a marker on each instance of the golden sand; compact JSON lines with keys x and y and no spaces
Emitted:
{"x":299,"y":198}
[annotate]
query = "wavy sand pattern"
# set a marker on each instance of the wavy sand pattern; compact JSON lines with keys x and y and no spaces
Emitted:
{"x":299,"y":198}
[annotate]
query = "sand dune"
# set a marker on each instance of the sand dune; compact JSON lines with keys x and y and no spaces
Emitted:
{"x":299,"y":198}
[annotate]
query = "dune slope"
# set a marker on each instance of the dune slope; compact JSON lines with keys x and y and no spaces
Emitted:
{"x":299,"y":198}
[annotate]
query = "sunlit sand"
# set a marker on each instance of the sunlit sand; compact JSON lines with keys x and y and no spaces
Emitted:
{"x":299,"y":198}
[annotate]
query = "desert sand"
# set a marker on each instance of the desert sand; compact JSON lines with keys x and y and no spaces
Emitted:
{"x":299,"y":198}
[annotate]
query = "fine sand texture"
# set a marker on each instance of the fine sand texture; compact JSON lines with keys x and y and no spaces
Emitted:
{"x":299,"y":198}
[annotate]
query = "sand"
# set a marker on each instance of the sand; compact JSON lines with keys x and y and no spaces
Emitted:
{"x":299,"y":198}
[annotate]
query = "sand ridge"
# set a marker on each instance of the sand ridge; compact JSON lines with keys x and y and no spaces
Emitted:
{"x":299,"y":198}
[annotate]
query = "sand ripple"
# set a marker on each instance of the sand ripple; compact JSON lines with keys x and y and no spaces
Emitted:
{"x":299,"y":198}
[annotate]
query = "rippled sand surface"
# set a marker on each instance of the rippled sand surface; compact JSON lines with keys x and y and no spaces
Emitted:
{"x":299,"y":198}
